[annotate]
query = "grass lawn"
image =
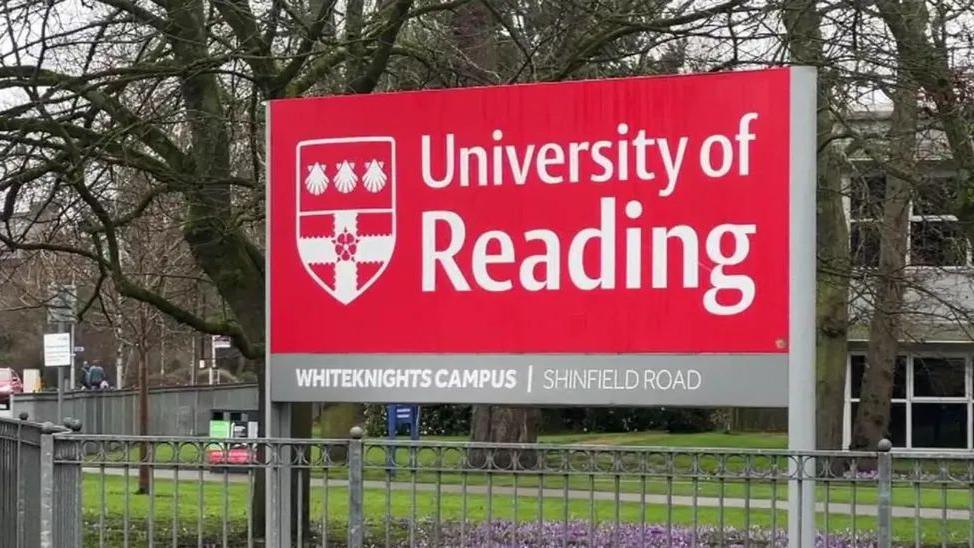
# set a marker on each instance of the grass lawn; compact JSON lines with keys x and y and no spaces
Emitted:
{"x":181,"y":510}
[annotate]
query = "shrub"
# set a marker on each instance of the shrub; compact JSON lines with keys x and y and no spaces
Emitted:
{"x":454,"y":420}
{"x":434,"y":420}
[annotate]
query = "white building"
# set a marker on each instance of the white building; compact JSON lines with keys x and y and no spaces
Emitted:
{"x":933,"y":396}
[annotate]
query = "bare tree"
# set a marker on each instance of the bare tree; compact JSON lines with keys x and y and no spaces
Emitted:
{"x":926,"y":48}
{"x":885,"y":331}
{"x":171,"y":90}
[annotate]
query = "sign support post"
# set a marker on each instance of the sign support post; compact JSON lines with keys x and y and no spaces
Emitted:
{"x":60,"y":311}
{"x":60,"y":379}
{"x":277,"y":415}
{"x":60,"y":393}
{"x":801,"y":327}
{"x":72,"y":381}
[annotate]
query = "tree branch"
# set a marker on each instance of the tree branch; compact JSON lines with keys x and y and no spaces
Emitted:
{"x":628,"y":27}
{"x":241,"y":19}
{"x":366,"y":82}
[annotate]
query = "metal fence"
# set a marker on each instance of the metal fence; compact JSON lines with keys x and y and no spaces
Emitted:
{"x":19,"y":469}
{"x":198,"y":492}
{"x":172,"y":410}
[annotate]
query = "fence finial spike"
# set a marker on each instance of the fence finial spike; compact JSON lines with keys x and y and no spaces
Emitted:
{"x":356,"y":432}
{"x":884,"y":445}
{"x":24,"y":415}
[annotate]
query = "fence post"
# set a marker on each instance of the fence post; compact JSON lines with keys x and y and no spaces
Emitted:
{"x":71,"y":483}
{"x":885,"y":491}
{"x":21,"y":537}
{"x":356,"y":536}
{"x":47,"y":484}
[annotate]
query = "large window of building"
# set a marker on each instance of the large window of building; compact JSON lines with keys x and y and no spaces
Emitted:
{"x":931,"y":405}
{"x":935,"y":237}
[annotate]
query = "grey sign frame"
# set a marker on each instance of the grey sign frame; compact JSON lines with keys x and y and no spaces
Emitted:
{"x":748,"y":380}
{"x":777,"y":380}
{"x":801,"y":300}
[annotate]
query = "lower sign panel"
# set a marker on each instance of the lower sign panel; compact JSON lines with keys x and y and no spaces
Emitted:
{"x":709,"y":380}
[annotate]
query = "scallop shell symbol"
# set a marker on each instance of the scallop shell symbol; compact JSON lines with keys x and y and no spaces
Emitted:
{"x":345,"y":177}
{"x":374,"y":178}
{"x":317,"y":181}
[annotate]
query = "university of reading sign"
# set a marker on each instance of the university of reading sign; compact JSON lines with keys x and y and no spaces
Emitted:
{"x":635,"y":242}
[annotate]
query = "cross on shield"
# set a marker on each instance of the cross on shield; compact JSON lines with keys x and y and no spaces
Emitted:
{"x":346,"y":212}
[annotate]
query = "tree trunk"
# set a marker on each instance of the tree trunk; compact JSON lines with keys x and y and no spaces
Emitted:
{"x":831,"y":301}
{"x":337,"y":419}
{"x":804,"y":39}
{"x":474,"y":37}
{"x":872,"y":417}
{"x":219,"y":245}
{"x":503,"y":424}
{"x":144,"y":469}
{"x":301,"y":423}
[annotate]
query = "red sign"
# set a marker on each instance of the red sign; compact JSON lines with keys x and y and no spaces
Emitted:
{"x":643,"y":215}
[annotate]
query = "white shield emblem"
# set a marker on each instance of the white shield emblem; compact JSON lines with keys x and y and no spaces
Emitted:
{"x":346,"y":208}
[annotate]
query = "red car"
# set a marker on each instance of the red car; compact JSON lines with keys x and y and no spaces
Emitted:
{"x":9,"y":384}
{"x":237,"y":453}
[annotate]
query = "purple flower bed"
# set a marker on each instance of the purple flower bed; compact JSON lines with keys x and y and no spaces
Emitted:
{"x":504,"y":534}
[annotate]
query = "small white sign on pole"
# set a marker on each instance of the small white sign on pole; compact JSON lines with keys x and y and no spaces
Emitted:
{"x":32,"y":380}
{"x":57,"y":349}
{"x":62,"y":304}
{"x":222,"y":341}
